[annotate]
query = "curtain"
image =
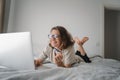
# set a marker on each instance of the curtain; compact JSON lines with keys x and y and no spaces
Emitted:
{"x":2,"y":9}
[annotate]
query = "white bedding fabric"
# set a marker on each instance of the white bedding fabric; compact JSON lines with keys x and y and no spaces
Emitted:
{"x":99,"y":69}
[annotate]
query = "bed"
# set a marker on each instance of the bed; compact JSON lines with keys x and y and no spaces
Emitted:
{"x":99,"y":69}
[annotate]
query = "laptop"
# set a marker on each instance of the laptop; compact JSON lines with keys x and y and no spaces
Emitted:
{"x":16,"y":51}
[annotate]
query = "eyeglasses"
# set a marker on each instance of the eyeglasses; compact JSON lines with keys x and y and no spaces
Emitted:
{"x":53,"y":36}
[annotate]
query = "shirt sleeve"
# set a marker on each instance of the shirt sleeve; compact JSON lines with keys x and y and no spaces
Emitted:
{"x":69,"y":55}
{"x":45,"y":53}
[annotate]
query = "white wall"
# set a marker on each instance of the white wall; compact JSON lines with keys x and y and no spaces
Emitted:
{"x":80,"y":17}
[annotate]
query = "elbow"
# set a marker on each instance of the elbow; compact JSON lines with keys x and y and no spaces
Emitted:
{"x":68,"y":66}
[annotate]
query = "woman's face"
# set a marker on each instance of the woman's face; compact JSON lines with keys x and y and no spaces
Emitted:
{"x":55,"y":39}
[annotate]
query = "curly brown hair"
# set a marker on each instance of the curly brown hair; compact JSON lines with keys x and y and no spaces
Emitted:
{"x":66,"y":37}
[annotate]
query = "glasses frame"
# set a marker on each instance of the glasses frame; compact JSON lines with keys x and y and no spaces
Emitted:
{"x":55,"y":36}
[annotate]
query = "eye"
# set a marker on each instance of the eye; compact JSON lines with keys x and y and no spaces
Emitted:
{"x":53,"y":36}
{"x":56,"y":36}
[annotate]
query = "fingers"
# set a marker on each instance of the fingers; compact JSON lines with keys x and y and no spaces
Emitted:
{"x":58,"y":57}
{"x":37,"y":63}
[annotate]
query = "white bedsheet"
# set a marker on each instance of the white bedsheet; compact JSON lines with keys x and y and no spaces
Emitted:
{"x":99,"y":69}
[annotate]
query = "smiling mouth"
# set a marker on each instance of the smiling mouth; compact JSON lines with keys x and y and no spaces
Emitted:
{"x":54,"y":44}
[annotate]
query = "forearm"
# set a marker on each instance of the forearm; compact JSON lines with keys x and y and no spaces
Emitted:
{"x":61,"y":64}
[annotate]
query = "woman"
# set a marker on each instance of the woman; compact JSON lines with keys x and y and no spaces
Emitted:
{"x":60,"y":49}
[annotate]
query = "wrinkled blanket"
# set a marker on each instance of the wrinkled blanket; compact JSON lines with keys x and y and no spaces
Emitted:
{"x":99,"y":69}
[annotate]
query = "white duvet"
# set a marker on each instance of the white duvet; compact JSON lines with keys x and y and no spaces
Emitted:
{"x":99,"y":69}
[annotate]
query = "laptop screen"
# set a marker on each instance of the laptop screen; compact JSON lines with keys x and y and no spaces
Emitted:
{"x":16,"y":50}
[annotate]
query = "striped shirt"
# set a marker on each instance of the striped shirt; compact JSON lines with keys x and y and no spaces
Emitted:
{"x":69,"y":56}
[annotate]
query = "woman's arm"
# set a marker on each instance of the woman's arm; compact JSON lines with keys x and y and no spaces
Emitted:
{"x":61,"y":64}
{"x":42,"y":56}
{"x":68,"y":65}
{"x":59,"y":61}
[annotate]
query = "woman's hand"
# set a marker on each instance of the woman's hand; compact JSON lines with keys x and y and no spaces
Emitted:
{"x":59,"y":59}
{"x":38,"y":62}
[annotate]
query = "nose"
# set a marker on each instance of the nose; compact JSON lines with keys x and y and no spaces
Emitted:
{"x":52,"y":38}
